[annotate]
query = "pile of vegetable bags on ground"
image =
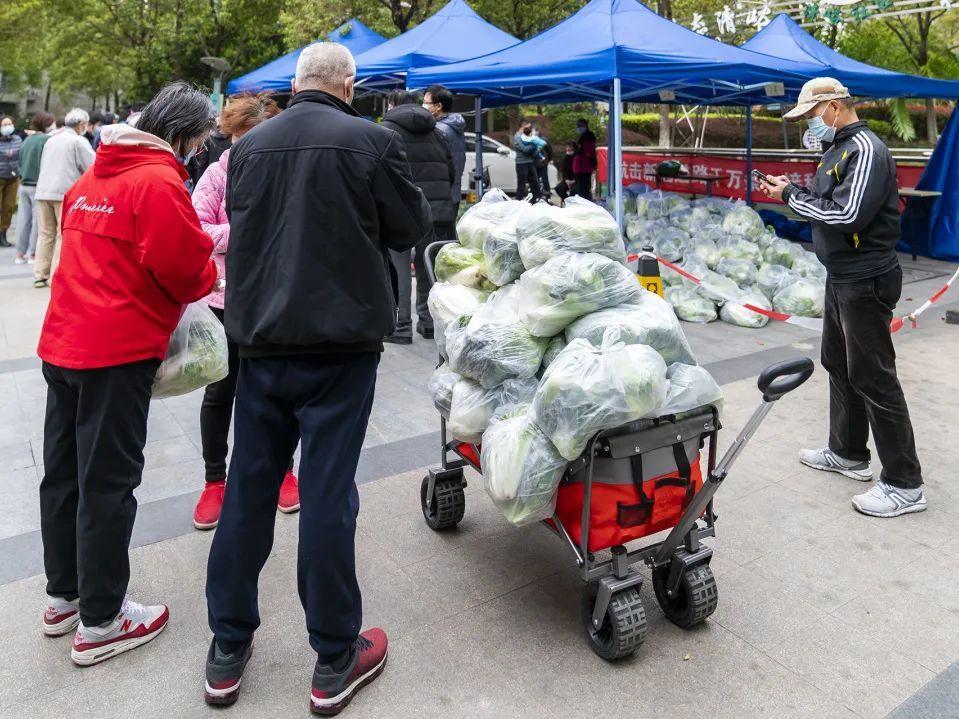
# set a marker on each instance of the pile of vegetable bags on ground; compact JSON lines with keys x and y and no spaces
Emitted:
{"x":547,"y":338}
{"x":726,"y":245}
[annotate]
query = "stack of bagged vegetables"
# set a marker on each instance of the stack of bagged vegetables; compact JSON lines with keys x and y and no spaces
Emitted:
{"x":726,"y":245}
{"x":547,"y":338}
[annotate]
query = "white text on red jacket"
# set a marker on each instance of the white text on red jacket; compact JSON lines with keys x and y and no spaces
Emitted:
{"x":82,"y":205}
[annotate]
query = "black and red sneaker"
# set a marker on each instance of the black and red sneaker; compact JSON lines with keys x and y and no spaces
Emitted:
{"x":224,"y":672}
{"x":333,"y":690}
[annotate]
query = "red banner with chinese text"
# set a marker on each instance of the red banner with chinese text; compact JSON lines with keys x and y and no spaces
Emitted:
{"x":637,"y":166}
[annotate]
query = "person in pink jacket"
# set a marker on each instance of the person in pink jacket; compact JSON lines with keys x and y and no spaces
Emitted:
{"x":209,"y":199}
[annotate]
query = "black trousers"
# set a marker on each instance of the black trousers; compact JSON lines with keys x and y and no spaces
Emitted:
{"x":93,"y":439}
{"x":328,"y":398}
{"x":401,"y":262}
{"x":584,"y":185}
{"x":216,"y":413}
{"x":864,"y":390}
{"x":527,"y":181}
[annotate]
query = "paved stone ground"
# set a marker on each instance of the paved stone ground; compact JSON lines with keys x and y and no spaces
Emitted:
{"x":822,"y":612}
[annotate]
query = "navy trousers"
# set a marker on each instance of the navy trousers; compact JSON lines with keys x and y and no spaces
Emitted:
{"x":325,"y":401}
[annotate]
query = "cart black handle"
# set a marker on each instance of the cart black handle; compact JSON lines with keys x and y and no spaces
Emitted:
{"x":429,"y":257}
{"x":783,"y":377}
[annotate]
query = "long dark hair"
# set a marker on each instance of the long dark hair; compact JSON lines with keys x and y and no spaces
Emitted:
{"x":180,"y":113}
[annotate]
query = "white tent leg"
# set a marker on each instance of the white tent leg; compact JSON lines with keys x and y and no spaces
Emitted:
{"x":478,"y":172}
{"x":617,"y":160}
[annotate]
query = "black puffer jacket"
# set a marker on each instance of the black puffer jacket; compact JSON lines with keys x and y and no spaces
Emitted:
{"x":315,"y":197}
{"x":429,"y":154}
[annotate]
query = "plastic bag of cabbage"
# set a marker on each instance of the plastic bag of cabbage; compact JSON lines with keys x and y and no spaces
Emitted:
{"x":745,"y":221}
{"x":556,"y":345}
{"x":736,"y":314}
{"x":491,"y":345}
{"x":472,"y":406}
{"x":448,"y":302}
{"x":649,"y":321}
{"x":544,"y":231}
{"x":441,"y":386}
{"x":737,"y":248}
{"x":808,"y":265}
{"x":588,"y":389}
{"x":521,"y":468}
{"x":569,"y":286}
{"x":501,"y":250}
{"x":462,"y":266}
{"x":495,"y":210}
{"x":804,"y":297}
{"x":704,"y":249}
{"x":769,"y":278}
{"x":690,"y":306}
{"x":742,"y":272}
{"x":689,"y":388}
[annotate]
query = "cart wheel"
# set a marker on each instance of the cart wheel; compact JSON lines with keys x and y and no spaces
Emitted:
{"x":623,"y":628}
{"x":447,"y":506}
{"x":695,"y":599}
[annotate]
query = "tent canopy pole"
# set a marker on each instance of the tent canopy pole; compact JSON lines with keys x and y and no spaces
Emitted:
{"x":616,"y":162}
{"x":749,"y":155}
{"x":478,"y":129}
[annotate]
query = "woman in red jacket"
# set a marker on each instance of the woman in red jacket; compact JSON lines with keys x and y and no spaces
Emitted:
{"x":584,"y":160}
{"x":133,"y":255}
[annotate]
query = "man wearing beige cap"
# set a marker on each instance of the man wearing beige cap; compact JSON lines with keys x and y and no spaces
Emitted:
{"x":853,"y":207}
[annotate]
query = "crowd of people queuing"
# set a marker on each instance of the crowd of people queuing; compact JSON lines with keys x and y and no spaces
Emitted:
{"x":300,"y":234}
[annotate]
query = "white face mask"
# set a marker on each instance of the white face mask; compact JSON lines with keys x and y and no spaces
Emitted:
{"x":6,"y":130}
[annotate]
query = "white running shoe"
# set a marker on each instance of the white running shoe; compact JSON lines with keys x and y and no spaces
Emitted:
{"x":20,"y":261}
{"x":133,"y":626}
{"x":884,"y":500}
{"x":60,"y":616}
{"x":826,"y":460}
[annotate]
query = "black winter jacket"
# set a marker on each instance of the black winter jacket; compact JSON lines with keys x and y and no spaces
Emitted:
{"x":428,"y":152}
{"x":315,"y":196}
{"x":853,"y":206}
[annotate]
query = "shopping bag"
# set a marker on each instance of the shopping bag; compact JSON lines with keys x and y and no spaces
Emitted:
{"x":197,"y":355}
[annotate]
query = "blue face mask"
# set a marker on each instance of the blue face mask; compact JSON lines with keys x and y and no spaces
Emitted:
{"x":580,"y":130}
{"x":819,"y":128}
{"x":185,"y":160}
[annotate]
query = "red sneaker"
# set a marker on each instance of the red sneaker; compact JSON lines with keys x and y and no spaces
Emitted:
{"x":207,"y":512}
{"x":289,"y":494}
{"x":60,"y":616}
{"x":136,"y":624}
{"x":333,"y":690}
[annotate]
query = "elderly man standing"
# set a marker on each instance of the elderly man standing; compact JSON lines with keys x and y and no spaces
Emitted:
{"x":66,"y":156}
{"x":853,"y":207}
{"x":316,"y":197}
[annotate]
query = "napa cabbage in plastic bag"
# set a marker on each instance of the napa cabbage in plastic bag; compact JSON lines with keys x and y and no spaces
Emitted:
{"x":804,"y":297}
{"x":441,"y":386}
{"x":681,"y":219}
{"x":717,"y":287}
{"x":716,"y":205}
{"x":570,"y":286}
{"x":472,"y":406}
{"x":736,"y":314}
{"x":196,"y":355}
{"x":588,"y":389}
{"x":766,"y":239}
{"x":501,"y":250}
{"x":779,"y":252}
{"x":462,"y":266}
{"x":496,"y":209}
{"x":745,"y":221}
{"x":690,"y":306}
{"x":705,"y":250}
{"x":737,"y":248}
{"x":556,"y":345}
{"x":650,"y":321}
{"x":690,"y":387}
{"x":769,"y":278}
{"x":712,"y":233}
{"x":701,"y":217}
{"x":742,"y":272}
{"x":808,"y":265}
{"x":521,"y":468}
{"x":695,"y":267}
{"x":447,"y":302}
{"x":544,"y":231}
{"x":643,"y":232}
{"x":669,"y":244}
{"x":491,"y":346}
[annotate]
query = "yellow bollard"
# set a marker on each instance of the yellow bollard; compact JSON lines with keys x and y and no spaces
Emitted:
{"x":648,"y":271}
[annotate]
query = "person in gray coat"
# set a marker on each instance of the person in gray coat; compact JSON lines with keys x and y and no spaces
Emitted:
{"x":9,"y":175}
{"x":439,"y":101}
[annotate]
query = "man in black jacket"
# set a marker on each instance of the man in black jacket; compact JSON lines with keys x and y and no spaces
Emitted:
{"x":431,"y":162}
{"x":315,"y":197}
{"x":853,"y":207}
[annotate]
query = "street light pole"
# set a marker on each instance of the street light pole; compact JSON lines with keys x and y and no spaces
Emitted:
{"x":220,"y":67}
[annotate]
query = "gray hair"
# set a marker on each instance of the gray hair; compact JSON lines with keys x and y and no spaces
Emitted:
{"x":75,"y":117}
{"x":324,"y":66}
{"x":180,"y":113}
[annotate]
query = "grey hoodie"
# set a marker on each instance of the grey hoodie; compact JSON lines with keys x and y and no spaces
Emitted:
{"x":453,"y":127}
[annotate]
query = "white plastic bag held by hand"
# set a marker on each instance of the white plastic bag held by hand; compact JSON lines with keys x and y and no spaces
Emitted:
{"x":197,"y":355}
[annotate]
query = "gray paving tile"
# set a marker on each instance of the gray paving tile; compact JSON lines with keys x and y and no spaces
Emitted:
{"x":19,"y":489}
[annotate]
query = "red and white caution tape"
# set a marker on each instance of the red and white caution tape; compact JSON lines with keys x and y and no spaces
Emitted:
{"x":898,"y":322}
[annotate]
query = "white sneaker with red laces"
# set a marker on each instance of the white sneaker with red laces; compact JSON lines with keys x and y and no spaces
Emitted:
{"x":60,"y":616}
{"x":133,"y":626}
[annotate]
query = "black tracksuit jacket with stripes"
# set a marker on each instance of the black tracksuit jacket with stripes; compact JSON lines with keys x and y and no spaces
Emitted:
{"x":853,"y":206}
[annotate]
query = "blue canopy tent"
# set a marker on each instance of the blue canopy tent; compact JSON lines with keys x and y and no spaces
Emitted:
{"x":276,"y":75}
{"x":452,"y":34}
{"x":784,"y":38}
{"x":620,"y":50}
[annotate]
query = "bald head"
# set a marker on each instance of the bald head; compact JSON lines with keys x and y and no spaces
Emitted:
{"x":326,"y":66}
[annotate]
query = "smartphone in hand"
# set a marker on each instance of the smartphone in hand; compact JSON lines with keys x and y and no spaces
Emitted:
{"x":760,"y":177}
